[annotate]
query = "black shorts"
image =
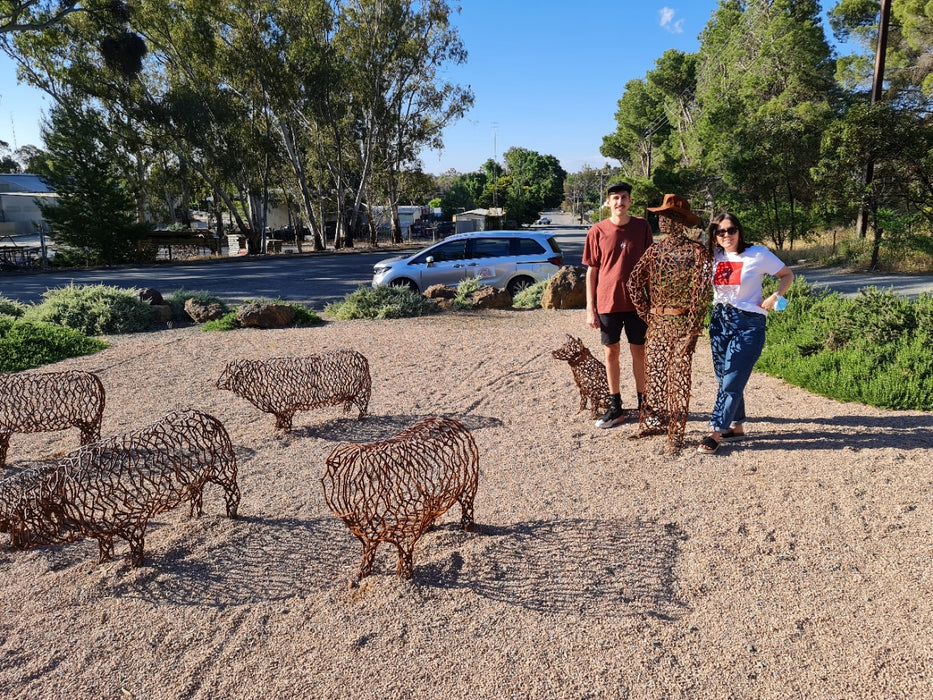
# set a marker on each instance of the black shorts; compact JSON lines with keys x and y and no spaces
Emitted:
{"x":611,"y":325}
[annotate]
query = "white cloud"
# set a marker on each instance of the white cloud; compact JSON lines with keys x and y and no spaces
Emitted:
{"x":667,"y":21}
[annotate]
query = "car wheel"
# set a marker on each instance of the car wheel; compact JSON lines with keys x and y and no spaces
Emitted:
{"x":405,"y":283}
{"x":519,"y":284}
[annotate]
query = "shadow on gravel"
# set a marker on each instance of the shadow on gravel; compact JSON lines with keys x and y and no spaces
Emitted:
{"x":853,"y":432}
{"x":373,"y":428}
{"x":599,"y":568}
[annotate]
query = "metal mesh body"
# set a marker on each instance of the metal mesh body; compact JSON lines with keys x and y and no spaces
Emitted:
{"x":21,"y":512}
{"x":391,"y":491}
{"x":113,"y":487}
{"x":45,"y":401}
{"x":283,"y":386}
{"x":670,"y":287}
{"x":589,"y":374}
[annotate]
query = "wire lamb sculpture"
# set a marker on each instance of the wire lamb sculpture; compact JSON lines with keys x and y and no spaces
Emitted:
{"x":589,"y":374}
{"x":112,"y":488}
{"x":45,"y":401}
{"x":391,"y":491}
{"x":670,"y":287}
{"x":283,"y":386}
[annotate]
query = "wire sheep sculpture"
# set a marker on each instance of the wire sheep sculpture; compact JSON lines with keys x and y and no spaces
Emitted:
{"x":393,"y":490}
{"x":283,"y":386}
{"x":113,"y":487}
{"x":34,"y":402}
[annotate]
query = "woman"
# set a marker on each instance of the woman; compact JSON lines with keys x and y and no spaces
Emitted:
{"x":737,"y":329}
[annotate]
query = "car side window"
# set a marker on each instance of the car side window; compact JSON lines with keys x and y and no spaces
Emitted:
{"x":490,"y":247}
{"x":451,"y":250}
{"x":529,"y":246}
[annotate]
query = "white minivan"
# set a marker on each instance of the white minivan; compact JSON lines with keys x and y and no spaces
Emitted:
{"x":511,"y":260}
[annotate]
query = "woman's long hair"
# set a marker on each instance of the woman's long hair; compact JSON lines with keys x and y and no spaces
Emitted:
{"x":714,"y":225}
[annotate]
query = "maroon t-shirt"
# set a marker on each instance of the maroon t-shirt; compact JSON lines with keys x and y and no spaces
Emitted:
{"x":613,"y":251}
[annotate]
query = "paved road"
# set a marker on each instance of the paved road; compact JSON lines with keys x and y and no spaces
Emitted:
{"x":319,"y":279}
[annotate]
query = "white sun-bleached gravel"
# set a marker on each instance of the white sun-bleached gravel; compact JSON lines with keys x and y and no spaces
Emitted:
{"x":798,"y":563}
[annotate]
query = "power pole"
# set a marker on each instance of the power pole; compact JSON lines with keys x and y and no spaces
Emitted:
{"x":861,"y":224}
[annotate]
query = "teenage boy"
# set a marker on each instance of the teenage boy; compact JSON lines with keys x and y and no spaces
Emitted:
{"x":613,"y":247}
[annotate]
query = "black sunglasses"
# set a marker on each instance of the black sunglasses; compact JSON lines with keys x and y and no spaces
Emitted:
{"x":720,"y":232}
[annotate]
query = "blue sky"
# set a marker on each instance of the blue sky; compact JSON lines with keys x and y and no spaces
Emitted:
{"x":546,"y":76}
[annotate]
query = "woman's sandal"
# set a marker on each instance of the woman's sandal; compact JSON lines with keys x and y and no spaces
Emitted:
{"x":731,"y":436}
{"x":707,"y":446}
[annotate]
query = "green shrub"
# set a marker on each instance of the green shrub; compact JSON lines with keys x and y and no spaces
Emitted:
{"x":874,"y":349}
{"x":28,"y":344}
{"x":11,"y":307}
{"x":227,"y":322}
{"x":93,"y":309}
{"x":530,"y":297}
{"x":381,"y":302}
{"x":465,"y":290}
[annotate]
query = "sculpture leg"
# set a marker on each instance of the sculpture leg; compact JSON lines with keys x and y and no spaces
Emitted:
{"x":231,"y":497}
{"x":362,"y":402}
{"x":90,"y":432}
{"x":369,"y":558}
{"x":405,"y":567}
{"x":136,"y":538}
{"x":283,"y":421}
{"x":105,"y":548}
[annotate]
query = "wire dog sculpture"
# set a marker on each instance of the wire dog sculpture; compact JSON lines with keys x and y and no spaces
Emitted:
{"x":588,"y":373}
{"x":670,"y":287}
{"x":37,"y":402}
{"x":391,"y":491}
{"x":283,"y":386}
{"x":112,"y":488}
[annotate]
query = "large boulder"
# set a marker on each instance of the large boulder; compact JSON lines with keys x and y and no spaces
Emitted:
{"x":566,"y":289}
{"x":439,"y":291}
{"x":265,"y":315}
{"x":153,"y":296}
{"x":491,"y":298}
{"x":201,"y":311}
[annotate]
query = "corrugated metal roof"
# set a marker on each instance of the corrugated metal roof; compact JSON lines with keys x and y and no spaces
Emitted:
{"x":22,"y":182}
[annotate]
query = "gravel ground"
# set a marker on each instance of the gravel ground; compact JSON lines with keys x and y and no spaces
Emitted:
{"x":795,"y":563}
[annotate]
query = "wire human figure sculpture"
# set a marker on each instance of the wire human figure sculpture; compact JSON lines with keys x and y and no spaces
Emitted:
{"x":670,"y":288}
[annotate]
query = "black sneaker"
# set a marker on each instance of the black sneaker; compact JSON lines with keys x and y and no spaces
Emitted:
{"x":611,"y":418}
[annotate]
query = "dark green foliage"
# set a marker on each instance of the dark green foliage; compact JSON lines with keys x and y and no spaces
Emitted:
{"x":875,"y":349}
{"x":227,"y":322}
{"x":11,"y":307}
{"x":93,"y":309}
{"x":381,"y":302}
{"x":27,"y":344}
{"x":94,"y":215}
{"x":530,"y":297}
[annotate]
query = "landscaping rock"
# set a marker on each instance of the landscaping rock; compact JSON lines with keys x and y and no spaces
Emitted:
{"x":439,"y":291}
{"x":566,"y":289}
{"x":491,"y":298}
{"x":265,"y":315}
{"x":201,"y":311}
{"x":153,"y":296}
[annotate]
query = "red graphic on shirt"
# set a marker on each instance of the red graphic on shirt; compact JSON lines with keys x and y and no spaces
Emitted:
{"x":728,"y":274}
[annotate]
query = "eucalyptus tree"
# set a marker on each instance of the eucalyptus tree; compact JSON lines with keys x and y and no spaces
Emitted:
{"x":393,"y":53}
{"x":764,"y":91}
{"x":653,"y":116}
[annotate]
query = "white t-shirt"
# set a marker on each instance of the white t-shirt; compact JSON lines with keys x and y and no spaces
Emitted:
{"x":737,"y":276}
